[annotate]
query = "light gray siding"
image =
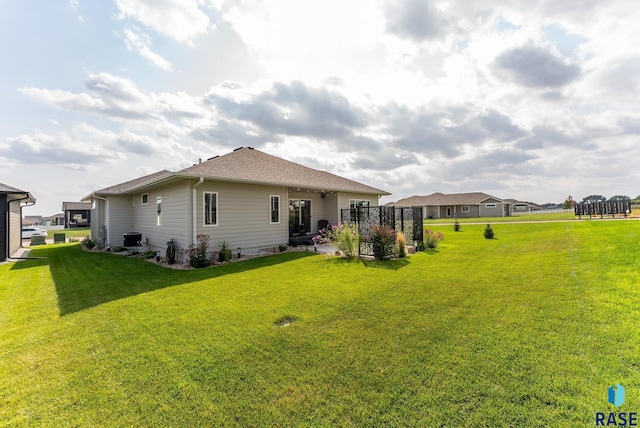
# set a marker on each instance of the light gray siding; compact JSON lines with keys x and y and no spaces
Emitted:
{"x":244,"y":216}
{"x":119,"y":219}
{"x":176,"y":221}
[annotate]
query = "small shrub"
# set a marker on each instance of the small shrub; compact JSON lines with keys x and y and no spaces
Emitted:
{"x":119,"y":249}
{"x":344,"y":236}
{"x":383,"y":242}
{"x":197,"y":254}
{"x":88,"y":242}
{"x":401,"y":242}
{"x":282,"y":247}
{"x":147,"y":254}
{"x":225,"y":251}
{"x":421,"y":246}
{"x":432,"y":239}
{"x":488,"y":232}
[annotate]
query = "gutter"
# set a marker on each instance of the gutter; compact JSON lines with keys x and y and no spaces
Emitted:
{"x":194,"y":212}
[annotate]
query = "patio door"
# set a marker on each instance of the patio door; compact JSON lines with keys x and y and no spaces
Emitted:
{"x":299,"y":216}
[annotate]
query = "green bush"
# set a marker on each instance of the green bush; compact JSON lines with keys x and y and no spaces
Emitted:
{"x":488,"y":232}
{"x":88,"y":242}
{"x":344,"y":236}
{"x":432,"y":239}
{"x":383,"y":242}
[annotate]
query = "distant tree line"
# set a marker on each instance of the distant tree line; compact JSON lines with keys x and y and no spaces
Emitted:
{"x":570,"y":202}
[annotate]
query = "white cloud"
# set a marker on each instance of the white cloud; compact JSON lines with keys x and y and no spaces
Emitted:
{"x":141,"y":43}
{"x":181,"y":20}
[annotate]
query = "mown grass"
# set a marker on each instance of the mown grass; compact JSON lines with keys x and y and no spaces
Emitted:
{"x":528,"y":329}
{"x":509,"y":219}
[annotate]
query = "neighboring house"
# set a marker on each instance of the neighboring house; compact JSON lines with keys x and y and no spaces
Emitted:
{"x":247,"y":198}
{"x":33,"y":220}
{"x":518,"y":207}
{"x":56,"y":219}
{"x":459,"y":205}
{"x":76,"y":214}
{"x":11,"y":202}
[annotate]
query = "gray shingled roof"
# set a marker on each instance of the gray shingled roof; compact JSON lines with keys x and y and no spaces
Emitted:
{"x":439,"y":199}
{"x":127,"y":185}
{"x":247,"y":165}
{"x":76,"y":206}
{"x":253,"y":166}
{"x":4,"y":188}
{"x":14,"y":193}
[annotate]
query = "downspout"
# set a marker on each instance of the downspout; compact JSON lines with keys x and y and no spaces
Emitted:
{"x":194,"y":212}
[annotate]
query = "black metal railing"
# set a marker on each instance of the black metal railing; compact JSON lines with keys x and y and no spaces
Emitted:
{"x":401,"y":219}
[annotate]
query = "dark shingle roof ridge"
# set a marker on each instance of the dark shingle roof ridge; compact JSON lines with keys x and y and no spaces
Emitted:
{"x":251,"y":165}
{"x":124,"y":186}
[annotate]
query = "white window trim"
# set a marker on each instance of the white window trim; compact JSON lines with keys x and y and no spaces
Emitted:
{"x":353,"y":205}
{"x":159,"y":213}
{"x":271,"y":209}
{"x":490,"y":205}
{"x":204,"y":212}
{"x":465,"y":209}
{"x":134,"y":200}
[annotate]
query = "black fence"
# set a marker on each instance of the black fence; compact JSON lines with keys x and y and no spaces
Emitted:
{"x":402,"y":219}
{"x":603,"y":208}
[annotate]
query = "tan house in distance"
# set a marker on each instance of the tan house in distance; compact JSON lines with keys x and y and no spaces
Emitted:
{"x":465,"y":205}
{"x":247,"y":198}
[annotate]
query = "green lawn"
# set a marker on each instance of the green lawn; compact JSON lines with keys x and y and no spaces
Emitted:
{"x":528,"y":329}
{"x":510,"y":219}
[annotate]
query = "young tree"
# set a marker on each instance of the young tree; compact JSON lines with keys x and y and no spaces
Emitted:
{"x":568,"y":203}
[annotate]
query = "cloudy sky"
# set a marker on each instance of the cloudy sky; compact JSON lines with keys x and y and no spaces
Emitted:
{"x":533,"y":100}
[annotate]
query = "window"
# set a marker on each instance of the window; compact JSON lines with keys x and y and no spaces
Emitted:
{"x":465,"y":209}
{"x":210,"y":208}
{"x":159,"y":211}
{"x":145,"y":199}
{"x":490,"y":205}
{"x":275,"y":209}
{"x":520,"y":207}
{"x":355,"y":203}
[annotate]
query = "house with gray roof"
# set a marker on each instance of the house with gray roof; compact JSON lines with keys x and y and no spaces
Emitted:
{"x":11,"y":202}
{"x":247,"y":198}
{"x":459,"y":205}
{"x":76,"y":214}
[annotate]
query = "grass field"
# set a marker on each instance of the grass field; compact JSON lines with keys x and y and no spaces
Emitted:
{"x":528,"y":329}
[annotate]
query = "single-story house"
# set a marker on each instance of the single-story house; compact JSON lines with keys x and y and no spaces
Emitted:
{"x":76,"y":214}
{"x":458,"y":205}
{"x":247,"y":198}
{"x":56,"y":219}
{"x":11,"y":202}
{"x":33,"y":220}
{"x":518,"y":207}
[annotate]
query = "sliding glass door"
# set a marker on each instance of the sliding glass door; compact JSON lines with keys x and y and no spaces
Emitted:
{"x":299,"y":216}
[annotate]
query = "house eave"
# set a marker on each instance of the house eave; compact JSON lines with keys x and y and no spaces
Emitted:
{"x":290,"y":185}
